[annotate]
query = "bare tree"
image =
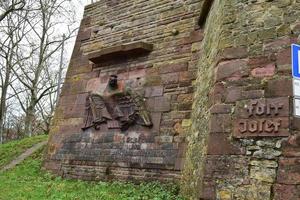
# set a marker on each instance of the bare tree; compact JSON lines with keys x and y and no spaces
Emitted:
{"x":7,"y":7}
{"x":46,"y":19}
{"x":12,"y":33}
{"x":47,"y":105}
{"x":30,"y":62}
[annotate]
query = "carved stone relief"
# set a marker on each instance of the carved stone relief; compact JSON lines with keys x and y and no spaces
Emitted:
{"x":119,"y":107}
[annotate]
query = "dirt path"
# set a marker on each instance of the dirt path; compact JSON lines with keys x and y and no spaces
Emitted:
{"x":23,"y":156}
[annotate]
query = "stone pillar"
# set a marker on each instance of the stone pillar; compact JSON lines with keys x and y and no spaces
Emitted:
{"x":244,"y":141}
{"x":108,"y":43}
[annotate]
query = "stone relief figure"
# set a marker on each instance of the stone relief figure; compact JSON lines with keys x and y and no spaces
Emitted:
{"x":119,"y":107}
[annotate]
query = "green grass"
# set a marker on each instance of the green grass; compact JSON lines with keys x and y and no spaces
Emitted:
{"x":28,"y":182}
{"x":11,"y":150}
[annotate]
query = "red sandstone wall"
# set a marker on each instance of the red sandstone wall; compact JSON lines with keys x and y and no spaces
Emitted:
{"x":244,"y":78}
{"x":165,"y":76}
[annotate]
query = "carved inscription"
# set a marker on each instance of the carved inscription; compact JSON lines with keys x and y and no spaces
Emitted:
{"x":258,"y":108}
{"x":263,"y":117}
{"x":261,"y":125}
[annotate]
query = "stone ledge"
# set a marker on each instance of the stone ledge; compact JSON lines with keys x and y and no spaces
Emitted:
{"x":121,"y":51}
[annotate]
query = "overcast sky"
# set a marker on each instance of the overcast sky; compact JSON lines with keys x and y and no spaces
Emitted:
{"x":79,"y":5}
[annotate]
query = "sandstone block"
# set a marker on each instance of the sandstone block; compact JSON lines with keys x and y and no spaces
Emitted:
{"x":289,"y":171}
{"x":285,"y":192}
{"x":155,"y":91}
{"x":266,"y":71}
{"x":233,"y":94}
{"x":170,"y":78}
{"x":231,"y":70}
{"x":279,"y":88}
{"x":234,"y":53}
{"x":159,"y":104}
{"x":173,"y":67}
{"x":221,"y":109}
{"x":220,"y":123}
{"x":220,"y":144}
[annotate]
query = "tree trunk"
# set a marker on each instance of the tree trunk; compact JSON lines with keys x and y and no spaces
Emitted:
{"x":1,"y":129}
{"x":30,"y":114}
{"x":3,"y":103}
{"x":2,"y":111}
{"x":29,"y":118}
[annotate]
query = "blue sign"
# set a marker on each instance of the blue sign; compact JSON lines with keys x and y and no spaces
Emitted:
{"x":296,"y":60}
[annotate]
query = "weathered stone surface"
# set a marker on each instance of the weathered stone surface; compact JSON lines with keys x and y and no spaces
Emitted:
{"x":170,"y":78}
{"x":156,"y":120}
{"x":217,"y":94}
{"x":263,"y":174}
{"x":209,"y":191}
{"x":233,"y":94}
{"x":264,"y":163}
{"x":267,"y":153}
{"x":262,"y":108}
{"x":291,"y":147}
{"x":234,"y":53}
{"x":296,"y":123}
{"x":84,"y":35}
{"x":284,"y":57}
{"x":154,"y":51}
{"x":246,"y":55}
{"x":264,"y":127}
{"x":289,"y":172}
{"x":241,"y":54}
{"x":129,"y":49}
{"x":164,"y":139}
{"x":215,"y":167}
{"x":282,"y":192}
{"x":94,"y":85}
{"x":266,"y":71}
{"x":159,"y":104}
{"x":186,"y":123}
{"x":154,"y":91}
{"x":221,"y":109}
{"x":220,"y":123}
{"x":176,"y":67}
{"x":231,"y":70}
{"x":262,"y":117}
{"x":275,"y":88}
{"x":256,"y":190}
{"x":220,"y":144}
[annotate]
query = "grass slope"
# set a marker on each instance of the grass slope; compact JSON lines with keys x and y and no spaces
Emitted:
{"x":28,"y":182}
{"x":11,"y":150}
